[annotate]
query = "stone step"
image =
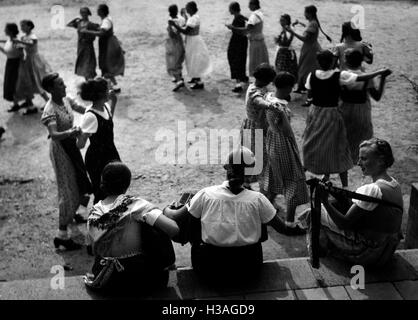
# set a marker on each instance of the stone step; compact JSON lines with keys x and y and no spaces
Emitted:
{"x":280,"y":279}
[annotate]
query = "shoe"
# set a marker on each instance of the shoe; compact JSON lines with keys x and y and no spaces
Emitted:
{"x":307,"y":103}
{"x":78,"y":218}
{"x":237,"y":89}
{"x":174,"y":80}
{"x":179,"y":85}
{"x":30,"y":111}
{"x":26,"y":105}
{"x":116,"y":89}
{"x":2,"y":131}
{"x":13,"y":108}
{"x":197,"y":86}
{"x":68,"y":244}
{"x":191,"y":81}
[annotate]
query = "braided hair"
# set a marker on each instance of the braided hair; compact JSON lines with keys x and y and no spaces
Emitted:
{"x":312,"y":10}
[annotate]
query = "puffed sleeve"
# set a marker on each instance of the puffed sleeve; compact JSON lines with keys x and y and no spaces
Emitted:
{"x":266,"y":209}
{"x":48,"y":116}
{"x":89,"y":123}
{"x":106,"y":24}
{"x":347,"y":77}
{"x":195,"y":206}
{"x":145,"y":211}
{"x":192,"y":22}
{"x":371,"y":190}
{"x":253,"y":19}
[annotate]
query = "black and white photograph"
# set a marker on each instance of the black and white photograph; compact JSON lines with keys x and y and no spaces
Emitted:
{"x":211,"y":150}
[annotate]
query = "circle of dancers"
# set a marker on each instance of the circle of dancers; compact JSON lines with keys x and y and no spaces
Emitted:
{"x":225,"y":224}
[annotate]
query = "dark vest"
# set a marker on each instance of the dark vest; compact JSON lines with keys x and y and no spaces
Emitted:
{"x":325,"y":93}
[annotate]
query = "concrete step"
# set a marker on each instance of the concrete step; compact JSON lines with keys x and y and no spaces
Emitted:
{"x":279,"y":279}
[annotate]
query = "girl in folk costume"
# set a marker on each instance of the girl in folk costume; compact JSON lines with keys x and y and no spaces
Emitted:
{"x":11,"y":71}
{"x":286,"y":56}
{"x":198,"y":62}
{"x":111,"y":54}
{"x":85,"y":65}
{"x":351,"y":39}
{"x":32,"y":69}
{"x":325,"y":145}
{"x":356,"y":106}
{"x":72,"y":181}
{"x":258,"y":52}
{"x":175,"y":48}
{"x":307,"y":59}
{"x":284,"y":172}
{"x":237,"y":48}
{"x":255,"y":123}
{"x":97,"y":126}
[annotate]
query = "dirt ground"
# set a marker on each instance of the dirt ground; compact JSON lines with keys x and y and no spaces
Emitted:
{"x":28,"y":209}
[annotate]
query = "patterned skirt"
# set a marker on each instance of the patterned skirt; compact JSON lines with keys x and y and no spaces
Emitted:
{"x":284,"y":172}
{"x":68,"y":193}
{"x":325,"y":146}
{"x":358,"y":123}
{"x":286,"y":60}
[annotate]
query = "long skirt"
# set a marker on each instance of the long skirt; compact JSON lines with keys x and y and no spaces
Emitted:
{"x":254,"y":138}
{"x":96,"y":160}
{"x":31,"y":71}
{"x":325,"y":146}
{"x":258,"y":54}
{"x":307,"y":61}
{"x":11,"y":73}
{"x":85,"y":65}
{"x":286,"y":60}
{"x":198,"y":62}
{"x":174,"y":56}
{"x":353,"y":246}
{"x":284,"y":171}
{"x":68,"y":192}
{"x":237,"y":57}
{"x":358,"y":123}
{"x":70,"y":147}
{"x":111,"y":57}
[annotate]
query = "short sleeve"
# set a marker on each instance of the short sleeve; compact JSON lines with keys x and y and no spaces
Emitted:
{"x":266,"y":209}
{"x":181,"y":21}
{"x":48,"y":115}
{"x":308,"y":82}
{"x":106,"y":24}
{"x":195,"y":206}
{"x":89,"y":123}
{"x":347,"y":77}
{"x":253,"y":19}
{"x":193,"y":22}
{"x":371,"y":190}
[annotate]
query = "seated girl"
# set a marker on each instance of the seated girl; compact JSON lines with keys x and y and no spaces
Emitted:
{"x":129,"y":235}
{"x":231,"y":219}
{"x":369,"y":232}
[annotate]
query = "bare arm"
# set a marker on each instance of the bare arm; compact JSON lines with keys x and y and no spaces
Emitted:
{"x":186,"y":30}
{"x":113,"y":100}
{"x":77,"y":107}
{"x":167,"y":225}
{"x":175,"y":214}
{"x":82,"y":140}
{"x":377,"y":94}
{"x":367,"y":76}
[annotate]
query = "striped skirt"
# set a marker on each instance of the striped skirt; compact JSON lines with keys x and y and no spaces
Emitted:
{"x":358,"y":123}
{"x":325,"y":146}
{"x":284,"y":172}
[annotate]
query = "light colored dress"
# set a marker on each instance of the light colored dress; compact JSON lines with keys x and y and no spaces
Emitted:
{"x":198,"y":63}
{"x":307,"y":59}
{"x":65,"y":173}
{"x":284,"y":171}
{"x":174,"y":48}
{"x":33,"y":67}
{"x":258,"y":50}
